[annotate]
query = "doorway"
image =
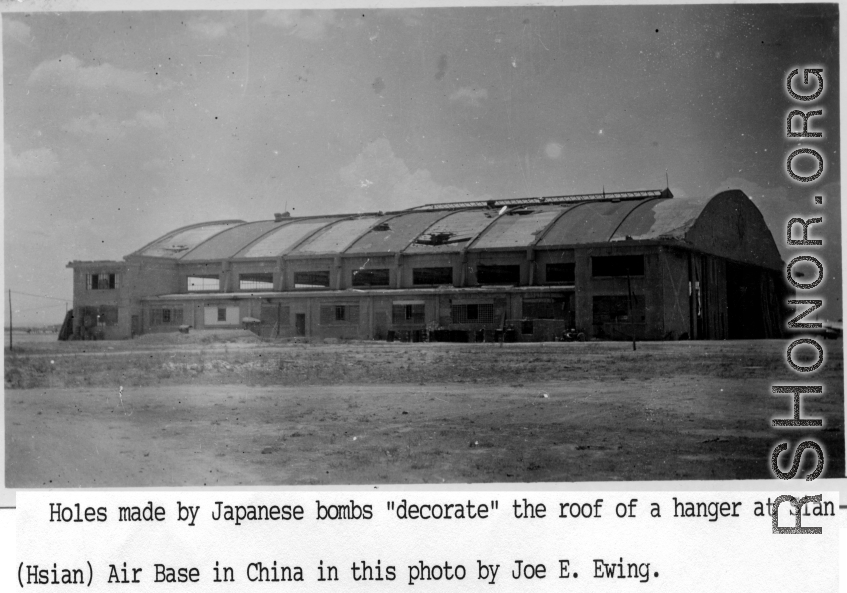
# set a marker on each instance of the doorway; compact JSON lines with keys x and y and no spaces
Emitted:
{"x":300,"y":324}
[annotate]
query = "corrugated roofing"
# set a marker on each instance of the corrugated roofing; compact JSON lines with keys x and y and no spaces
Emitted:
{"x":177,"y":245}
{"x":402,"y":230}
{"x":336,"y":238}
{"x":661,"y":218}
{"x":230,"y":242}
{"x":589,"y":222}
{"x":452,"y":233}
{"x":519,"y":228}
{"x":281,"y":240}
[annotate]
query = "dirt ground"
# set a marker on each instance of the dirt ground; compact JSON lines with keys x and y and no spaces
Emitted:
{"x":258,"y":413}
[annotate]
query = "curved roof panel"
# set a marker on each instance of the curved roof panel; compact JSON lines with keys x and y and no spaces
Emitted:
{"x":230,"y":242}
{"x":401,"y":230}
{"x":281,"y":240}
{"x":337,"y":237}
{"x":453,"y":232}
{"x":518,"y":228}
{"x":656,"y":219}
{"x":730,"y":225}
{"x":589,"y":222}
{"x":177,"y":244}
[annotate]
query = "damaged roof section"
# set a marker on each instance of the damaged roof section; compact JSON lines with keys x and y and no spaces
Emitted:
{"x":453,"y":232}
{"x":657,"y":216}
{"x":401,"y":230}
{"x":175,"y":245}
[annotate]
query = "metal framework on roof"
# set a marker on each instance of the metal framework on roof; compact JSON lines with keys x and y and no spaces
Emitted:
{"x":614,"y":196}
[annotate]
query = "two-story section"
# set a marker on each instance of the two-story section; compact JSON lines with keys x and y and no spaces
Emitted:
{"x":614,"y":266}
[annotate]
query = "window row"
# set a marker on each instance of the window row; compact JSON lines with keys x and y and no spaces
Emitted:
{"x":555,"y":273}
{"x":102,"y":281}
{"x":166,"y":316}
{"x":375,"y":277}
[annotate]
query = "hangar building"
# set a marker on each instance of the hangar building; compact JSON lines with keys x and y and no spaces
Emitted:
{"x":613,"y":265}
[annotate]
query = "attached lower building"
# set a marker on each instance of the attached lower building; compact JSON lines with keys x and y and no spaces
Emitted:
{"x":616,"y":265}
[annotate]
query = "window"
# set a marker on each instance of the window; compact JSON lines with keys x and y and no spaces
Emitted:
{"x":432,"y":275}
{"x":215,"y":315}
{"x":617,"y":265}
{"x":402,"y":313}
{"x":561,"y":273}
{"x":314,"y":279}
{"x":546,"y":307}
{"x":166,"y":316}
{"x":498,"y":274}
{"x":263,"y":281}
{"x":473,"y":313}
{"x":203,"y":283}
{"x":376,"y":277}
{"x":615,"y":309}
{"x":102,"y":281}
{"x":337,"y":314}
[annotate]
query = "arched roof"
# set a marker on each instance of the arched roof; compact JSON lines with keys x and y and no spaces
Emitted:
{"x":727,"y":224}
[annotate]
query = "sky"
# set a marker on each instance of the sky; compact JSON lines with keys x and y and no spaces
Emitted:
{"x":122,"y":126}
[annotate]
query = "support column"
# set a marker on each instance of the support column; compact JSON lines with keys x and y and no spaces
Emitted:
{"x":337,"y":283}
{"x":279,"y":275}
{"x":398,"y":270}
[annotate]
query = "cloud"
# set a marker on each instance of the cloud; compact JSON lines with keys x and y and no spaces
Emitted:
{"x":306,"y":24}
{"x":470,"y":96}
{"x":94,"y":125}
{"x":205,"y":27}
{"x":107,"y":127}
{"x":17,"y":31}
{"x":148,"y":119}
{"x":411,"y":17}
{"x":553,"y":150}
{"x":156,"y":165}
{"x":37,"y":162}
{"x":377,"y":179}
{"x":70,"y":72}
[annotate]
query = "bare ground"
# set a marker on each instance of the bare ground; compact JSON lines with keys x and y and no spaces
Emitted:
{"x":263,"y":414}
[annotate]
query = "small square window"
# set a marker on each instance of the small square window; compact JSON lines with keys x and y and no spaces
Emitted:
{"x":166,"y":315}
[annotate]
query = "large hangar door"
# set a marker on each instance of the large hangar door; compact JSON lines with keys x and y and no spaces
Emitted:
{"x":752,"y":309}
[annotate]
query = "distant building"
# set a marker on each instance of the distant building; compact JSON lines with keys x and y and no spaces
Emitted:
{"x":612,"y":265}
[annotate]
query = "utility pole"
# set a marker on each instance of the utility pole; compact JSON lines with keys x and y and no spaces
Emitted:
{"x":11,"y":347}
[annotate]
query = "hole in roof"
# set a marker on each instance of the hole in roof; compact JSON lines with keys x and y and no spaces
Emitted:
{"x":439,"y":239}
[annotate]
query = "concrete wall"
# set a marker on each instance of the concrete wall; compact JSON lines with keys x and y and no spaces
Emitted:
{"x":646,"y":289}
{"x":663,"y":305}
